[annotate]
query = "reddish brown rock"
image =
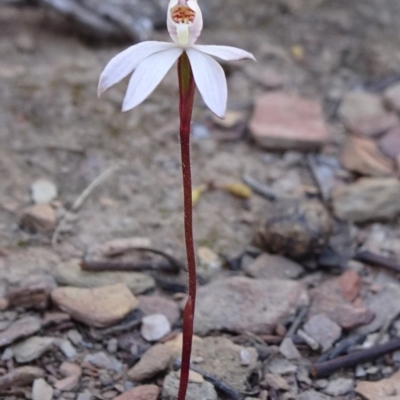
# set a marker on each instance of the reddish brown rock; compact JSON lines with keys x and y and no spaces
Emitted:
{"x":286,"y":121}
{"x":385,"y":389}
{"x":153,"y":361}
{"x":98,"y":307}
{"x":362,"y":155}
{"x":328,"y":299}
{"x":349,"y":281}
{"x":39,"y":218}
{"x":144,"y":392}
{"x":72,"y":373}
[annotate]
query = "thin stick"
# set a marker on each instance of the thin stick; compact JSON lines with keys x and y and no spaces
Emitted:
{"x":80,"y":200}
{"x":328,"y":367}
{"x":371,"y":258}
{"x":259,"y":188}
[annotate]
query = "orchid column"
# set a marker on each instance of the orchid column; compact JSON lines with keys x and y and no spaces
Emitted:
{"x":149,"y":62}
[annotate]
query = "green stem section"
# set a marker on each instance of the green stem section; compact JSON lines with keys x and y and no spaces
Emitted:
{"x":186,"y":96}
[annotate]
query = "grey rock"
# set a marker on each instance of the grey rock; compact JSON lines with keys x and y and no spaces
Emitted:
{"x":112,"y":345}
{"x":387,"y":299}
{"x":195,"y":391}
{"x":84,"y":396}
{"x":276,"y":382}
{"x":280,"y":366}
{"x":154,"y":360}
{"x":323,"y":330}
{"x":103,"y":361}
{"x":312,"y":395}
{"x":154,"y":327}
{"x":240,"y":304}
{"x":41,"y":390}
{"x":67,"y":348}
{"x":367,"y":199}
{"x":339,"y":386}
{"x":392,"y":96}
{"x":268,"y":266}
{"x":19,"y":329}
{"x":71,"y":274}
{"x":32,"y":348}
{"x":289,"y":350}
{"x":75,"y":337}
{"x":43,"y":191}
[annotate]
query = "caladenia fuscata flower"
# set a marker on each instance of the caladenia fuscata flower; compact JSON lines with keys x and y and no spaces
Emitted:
{"x":149,"y":62}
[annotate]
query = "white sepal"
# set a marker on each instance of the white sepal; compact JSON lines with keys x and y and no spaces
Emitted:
{"x":125,"y":62}
{"x":148,"y":75}
{"x":226,"y":53}
{"x":210,"y":80}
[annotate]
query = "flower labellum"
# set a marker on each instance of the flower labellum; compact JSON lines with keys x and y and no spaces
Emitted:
{"x":150,"y":61}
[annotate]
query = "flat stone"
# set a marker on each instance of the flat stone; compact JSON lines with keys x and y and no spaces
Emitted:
{"x":19,"y":329}
{"x":21,"y":376}
{"x":31,"y":348}
{"x":269,"y":266}
{"x":385,"y":389}
{"x":339,"y":386}
{"x":323,"y":330}
{"x":312,"y":395}
{"x":327,"y":298}
{"x":38,"y":218}
{"x":41,"y":390}
{"x":389,"y":143}
{"x":367,"y":199}
{"x":392,"y":96}
{"x":155,"y":360}
{"x":363,"y":155}
{"x":71,"y":274}
{"x":144,"y":392}
{"x":159,"y":305}
{"x":285,"y":121}
{"x":43,"y":191}
{"x":388,"y":299}
{"x":195,"y":391}
{"x":364,"y":113}
{"x":154,"y":327}
{"x":241,"y":304}
{"x":98,"y":307}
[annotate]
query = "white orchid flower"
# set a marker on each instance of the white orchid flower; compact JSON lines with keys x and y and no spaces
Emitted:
{"x":150,"y":61}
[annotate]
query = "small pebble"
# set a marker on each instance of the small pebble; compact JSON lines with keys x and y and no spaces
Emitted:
{"x":75,"y":337}
{"x":43,"y":191}
{"x":154,"y":327}
{"x":245,"y":357}
{"x":112,"y":345}
{"x":84,"y":396}
{"x":67,"y":349}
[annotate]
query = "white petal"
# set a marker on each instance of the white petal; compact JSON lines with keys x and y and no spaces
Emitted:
{"x":210,"y":80}
{"x":148,"y":75}
{"x":125,"y":62}
{"x":226,"y":53}
{"x":197,"y":26}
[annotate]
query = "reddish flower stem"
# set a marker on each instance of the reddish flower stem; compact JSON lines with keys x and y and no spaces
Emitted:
{"x":186,"y":96}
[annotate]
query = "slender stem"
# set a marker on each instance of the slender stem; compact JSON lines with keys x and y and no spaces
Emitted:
{"x":186,"y":96}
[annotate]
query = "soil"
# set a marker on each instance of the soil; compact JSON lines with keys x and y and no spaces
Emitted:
{"x":53,"y":126}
